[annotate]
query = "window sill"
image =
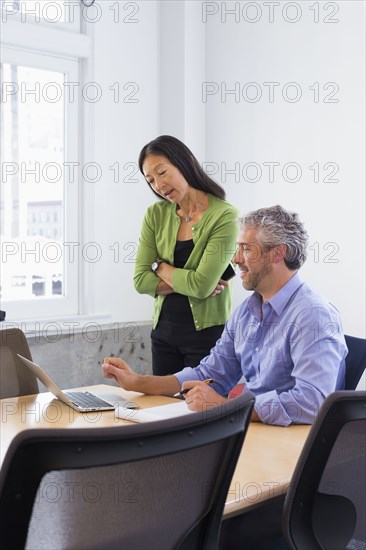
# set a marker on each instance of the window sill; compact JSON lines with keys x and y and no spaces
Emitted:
{"x":49,"y":328}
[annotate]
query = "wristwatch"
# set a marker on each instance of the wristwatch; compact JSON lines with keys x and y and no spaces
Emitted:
{"x":155,"y":265}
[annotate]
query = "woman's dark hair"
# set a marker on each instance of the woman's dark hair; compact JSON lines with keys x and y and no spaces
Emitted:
{"x":182,"y":158}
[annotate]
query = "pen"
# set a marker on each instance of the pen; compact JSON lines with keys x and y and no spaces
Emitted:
{"x":183,"y":392}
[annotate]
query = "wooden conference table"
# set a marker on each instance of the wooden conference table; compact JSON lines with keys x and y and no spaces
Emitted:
{"x":263,"y":471}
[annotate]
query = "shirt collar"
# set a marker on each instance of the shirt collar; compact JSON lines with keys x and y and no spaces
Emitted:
{"x":280,"y":300}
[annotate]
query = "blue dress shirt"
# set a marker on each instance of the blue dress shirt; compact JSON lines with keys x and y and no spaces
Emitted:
{"x":291,"y":359}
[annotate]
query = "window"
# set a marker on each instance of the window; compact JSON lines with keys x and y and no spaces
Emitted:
{"x":40,"y":163}
{"x":39,"y":185}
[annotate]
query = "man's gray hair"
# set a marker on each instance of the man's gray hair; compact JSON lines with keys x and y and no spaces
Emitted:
{"x":279,"y":226}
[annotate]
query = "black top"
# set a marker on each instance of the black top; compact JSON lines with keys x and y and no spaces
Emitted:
{"x":176,"y":307}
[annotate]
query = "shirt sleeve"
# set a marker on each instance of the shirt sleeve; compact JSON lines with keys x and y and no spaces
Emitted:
{"x":222,"y":365}
{"x":200,"y":282}
{"x":318,"y":352}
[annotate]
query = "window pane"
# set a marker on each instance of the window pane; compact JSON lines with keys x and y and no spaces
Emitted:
{"x":32,"y":183}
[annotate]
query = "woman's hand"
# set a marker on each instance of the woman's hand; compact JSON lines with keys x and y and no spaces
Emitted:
{"x":165,"y":272}
{"x":219,"y":287}
{"x":163,"y":289}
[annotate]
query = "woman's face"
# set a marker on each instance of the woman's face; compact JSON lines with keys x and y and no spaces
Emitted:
{"x":164,"y":178}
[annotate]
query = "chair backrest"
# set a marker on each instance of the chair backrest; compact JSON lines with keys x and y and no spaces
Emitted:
{"x":159,"y":485}
{"x":15,"y":378}
{"x":355,"y":361}
{"x":325,"y":505}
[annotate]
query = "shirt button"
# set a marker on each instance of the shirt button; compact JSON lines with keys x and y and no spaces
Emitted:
{"x":257,"y":349}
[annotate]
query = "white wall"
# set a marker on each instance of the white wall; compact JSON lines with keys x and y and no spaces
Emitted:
{"x":164,"y":54}
{"x":302,"y":132}
{"x":126,"y":53}
{"x":170,"y":53}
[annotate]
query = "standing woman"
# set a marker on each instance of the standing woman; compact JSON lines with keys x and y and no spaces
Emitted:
{"x":187,"y":241}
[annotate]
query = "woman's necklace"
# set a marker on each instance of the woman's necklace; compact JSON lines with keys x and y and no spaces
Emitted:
{"x":187,"y":217}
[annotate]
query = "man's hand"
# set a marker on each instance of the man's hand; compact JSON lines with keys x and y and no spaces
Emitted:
{"x":119,"y":371}
{"x":201,"y":396}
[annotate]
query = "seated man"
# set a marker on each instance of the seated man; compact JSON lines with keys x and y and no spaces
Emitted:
{"x":285,"y":339}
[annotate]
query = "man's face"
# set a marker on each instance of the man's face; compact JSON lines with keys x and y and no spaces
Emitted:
{"x":254,"y":263}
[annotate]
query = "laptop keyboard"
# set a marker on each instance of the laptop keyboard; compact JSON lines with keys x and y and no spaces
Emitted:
{"x":86,"y":400}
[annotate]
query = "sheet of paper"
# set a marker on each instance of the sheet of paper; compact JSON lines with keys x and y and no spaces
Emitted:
{"x":153,"y":413}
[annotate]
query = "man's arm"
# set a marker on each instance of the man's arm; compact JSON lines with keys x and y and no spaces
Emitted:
{"x":199,"y":394}
{"x":118,"y":370}
{"x":317,"y":350}
{"x":198,"y":397}
{"x":221,"y":365}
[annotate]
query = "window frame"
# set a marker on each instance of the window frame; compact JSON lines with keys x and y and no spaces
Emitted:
{"x":38,"y":19}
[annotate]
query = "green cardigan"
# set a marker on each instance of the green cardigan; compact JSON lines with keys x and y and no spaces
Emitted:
{"x":214,"y":239}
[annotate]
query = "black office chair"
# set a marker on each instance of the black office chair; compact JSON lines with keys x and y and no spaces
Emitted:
{"x":159,"y":485}
{"x":325,"y":505}
{"x":355,"y":361}
{"x":15,"y":378}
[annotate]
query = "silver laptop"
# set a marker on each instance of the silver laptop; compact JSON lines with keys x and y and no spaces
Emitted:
{"x":80,"y":401}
